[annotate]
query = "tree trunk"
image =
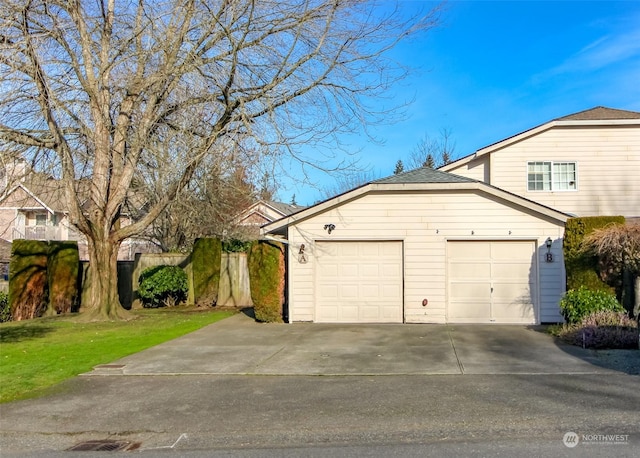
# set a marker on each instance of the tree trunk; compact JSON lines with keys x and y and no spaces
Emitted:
{"x":636,"y":308}
{"x":100,"y":299}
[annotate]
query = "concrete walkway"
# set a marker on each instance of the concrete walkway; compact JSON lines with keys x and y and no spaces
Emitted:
{"x":240,"y":346}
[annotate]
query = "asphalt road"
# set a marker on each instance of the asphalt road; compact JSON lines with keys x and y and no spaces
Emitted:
{"x":444,"y":415}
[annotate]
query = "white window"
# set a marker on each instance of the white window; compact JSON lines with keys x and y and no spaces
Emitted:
{"x":551,"y":176}
{"x":41,"y":219}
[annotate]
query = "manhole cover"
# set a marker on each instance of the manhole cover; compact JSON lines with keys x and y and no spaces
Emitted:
{"x":104,"y":446}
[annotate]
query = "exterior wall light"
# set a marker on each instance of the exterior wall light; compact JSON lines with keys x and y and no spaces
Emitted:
{"x":548,"y":243}
{"x":329,"y":227}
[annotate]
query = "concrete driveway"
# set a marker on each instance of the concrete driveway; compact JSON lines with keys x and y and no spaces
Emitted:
{"x":240,"y":346}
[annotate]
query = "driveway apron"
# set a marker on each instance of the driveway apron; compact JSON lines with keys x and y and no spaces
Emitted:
{"x":240,"y":346}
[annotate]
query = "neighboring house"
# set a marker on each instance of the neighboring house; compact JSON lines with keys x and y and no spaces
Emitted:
{"x":483,"y":245}
{"x":424,"y":247}
{"x":5,"y":257}
{"x":585,"y":164}
{"x":33,"y":207}
{"x":261,"y":213}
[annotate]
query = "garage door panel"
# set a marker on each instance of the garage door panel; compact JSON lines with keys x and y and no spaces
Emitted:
{"x":512,"y":312}
{"x":472,"y":270}
{"x":329,"y":270}
{"x":491,"y":281}
{"x":329,"y":292}
{"x":470,"y":290}
{"x":511,"y":251}
{"x":363,"y":282}
{"x":469,"y":251}
{"x":391,"y":292}
{"x":370,"y":292}
{"x":369,"y":269}
{"x":511,"y":291}
{"x":512,"y":270}
{"x":469,"y":312}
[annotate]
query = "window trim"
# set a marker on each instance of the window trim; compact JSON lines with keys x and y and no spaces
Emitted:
{"x":552,"y":171}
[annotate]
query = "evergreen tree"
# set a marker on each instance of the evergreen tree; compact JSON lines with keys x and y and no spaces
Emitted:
{"x":429,"y":162}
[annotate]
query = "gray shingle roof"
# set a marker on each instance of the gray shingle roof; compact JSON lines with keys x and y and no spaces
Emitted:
{"x":424,"y":175}
{"x":285,"y":209}
{"x":600,"y":113}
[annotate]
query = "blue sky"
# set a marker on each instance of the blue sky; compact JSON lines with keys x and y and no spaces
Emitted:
{"x":496,"y":68}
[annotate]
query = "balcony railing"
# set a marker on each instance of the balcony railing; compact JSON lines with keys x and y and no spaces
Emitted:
{"x":44,"y":233}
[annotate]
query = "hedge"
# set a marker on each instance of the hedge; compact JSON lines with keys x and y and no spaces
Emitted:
{"x":582,"y":268}
{"x":205,"y":262}
{"x":266,"y":276}
{"x":62,"y":272}
{"x":28,"y":286}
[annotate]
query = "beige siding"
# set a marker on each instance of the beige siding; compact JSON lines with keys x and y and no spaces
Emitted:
{"x":424,"y":222}
{"x":478,"y":169}
{"x":608,"y":167}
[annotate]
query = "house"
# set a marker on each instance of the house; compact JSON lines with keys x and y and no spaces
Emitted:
{"x":260,"y":213}
{"x":585,"y":164}
{"x":481,"y":245}
{"x":33,"y":207}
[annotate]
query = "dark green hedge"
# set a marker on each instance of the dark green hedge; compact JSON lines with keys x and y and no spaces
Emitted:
{"x":582,"y":268}
{"x":205,"y":262}
{"x":266,"y":276}
{"x":62,"y":272}
{"x":28,"y":287}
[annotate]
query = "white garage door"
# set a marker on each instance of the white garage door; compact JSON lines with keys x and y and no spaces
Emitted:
{"x":491,"y":282}
{"x":359,"y":282}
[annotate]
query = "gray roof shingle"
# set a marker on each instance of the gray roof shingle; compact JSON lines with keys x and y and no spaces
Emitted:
{"x":285,"y":209}
{"x":600,"y":113}
{"x":424,"y":175}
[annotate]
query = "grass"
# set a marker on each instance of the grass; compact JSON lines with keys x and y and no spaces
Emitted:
{"x":37,"y":354}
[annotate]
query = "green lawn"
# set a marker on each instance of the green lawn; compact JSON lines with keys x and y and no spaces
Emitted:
{"x":37,"y":354}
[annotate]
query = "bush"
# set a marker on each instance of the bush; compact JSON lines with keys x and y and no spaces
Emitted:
{"x":581,"y":266}
{"x":5,"y":310}
{"x":582,"y":302}
{"x":205,"y":261}
{"x":163,"y":286}
{"x":604,"y":329}
{"x":62,"y":273}
{"x":266,"y":276}
{"x":236,"y":246}
{"x":28,"y":286}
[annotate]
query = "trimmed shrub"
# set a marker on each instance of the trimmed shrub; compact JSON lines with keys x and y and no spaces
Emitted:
{"x":582,"y":267}
{"x":604,"y":329}
{"x":205,"y":262}
{"x":28,"y":286}
{"x":62,"y":272}
{"x":5,"y":310}
{"x":162,"y":286}
{"x":266,"y":276}
{"x":582,"y":302}
{"x":236,"y":246}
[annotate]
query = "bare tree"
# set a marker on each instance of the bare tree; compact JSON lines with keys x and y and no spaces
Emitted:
{"x":433,"y":152}
{"x":344,"y":182}
{"x":108,"y":90}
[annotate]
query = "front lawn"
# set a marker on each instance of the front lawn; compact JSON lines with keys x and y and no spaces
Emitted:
{"x":37,"y":354}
